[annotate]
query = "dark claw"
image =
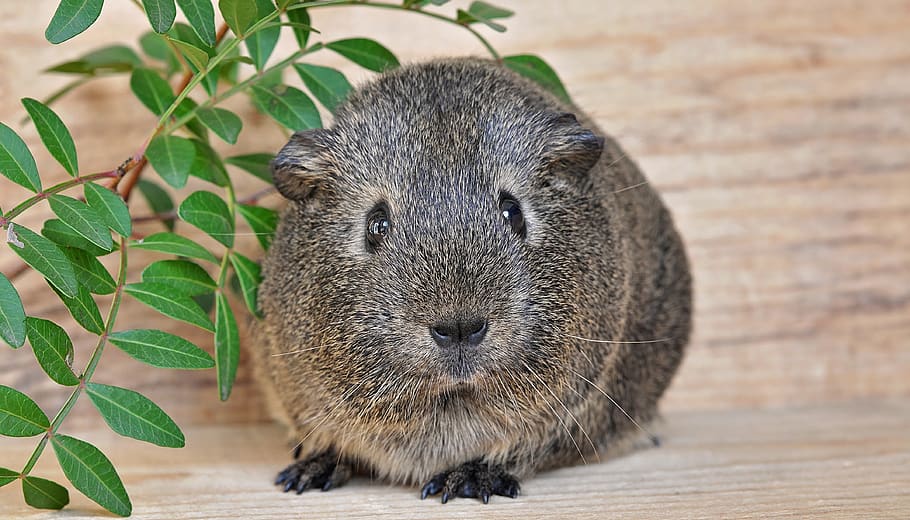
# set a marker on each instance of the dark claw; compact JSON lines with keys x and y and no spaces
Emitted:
{"x":474,"y":479}
{"x":321,"y":471}
{"x":297,"y":451}
{"x":434,"y":486}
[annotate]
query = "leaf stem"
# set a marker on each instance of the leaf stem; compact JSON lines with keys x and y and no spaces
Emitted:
{"x":90,"y":367}
{"x":400,"y":7}
{"x":214,"y":100}
{"x":57,"y":188}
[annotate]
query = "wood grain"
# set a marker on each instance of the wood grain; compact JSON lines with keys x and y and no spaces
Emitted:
{"x":840,"y":461}
{"x":778,"y":131}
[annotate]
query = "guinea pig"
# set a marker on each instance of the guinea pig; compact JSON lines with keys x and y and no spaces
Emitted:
{"x":470,"y":283}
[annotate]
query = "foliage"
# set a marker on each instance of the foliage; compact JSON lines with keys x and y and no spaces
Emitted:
{"x":190,"y":287}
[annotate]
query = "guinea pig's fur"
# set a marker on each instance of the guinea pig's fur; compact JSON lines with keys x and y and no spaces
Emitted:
{"x":592,"y":300}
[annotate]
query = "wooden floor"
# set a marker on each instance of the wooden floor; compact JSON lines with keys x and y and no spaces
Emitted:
{"x":845,"y":461}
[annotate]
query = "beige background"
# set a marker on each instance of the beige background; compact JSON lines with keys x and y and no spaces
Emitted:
{"x":778,"y":132}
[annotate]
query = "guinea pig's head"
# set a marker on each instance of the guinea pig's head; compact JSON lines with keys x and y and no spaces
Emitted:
{"x":435,"y":248}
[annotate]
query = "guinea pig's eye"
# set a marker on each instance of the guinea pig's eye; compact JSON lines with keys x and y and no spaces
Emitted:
{"x":378,"y":225}
{"x":511,"y":212}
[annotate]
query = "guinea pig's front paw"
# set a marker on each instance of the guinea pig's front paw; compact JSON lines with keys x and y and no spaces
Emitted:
{"x":474,"y":479}
{"x":322,"y":470}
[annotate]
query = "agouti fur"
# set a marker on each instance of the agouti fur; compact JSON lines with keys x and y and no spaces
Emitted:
{"x":555,"y":308}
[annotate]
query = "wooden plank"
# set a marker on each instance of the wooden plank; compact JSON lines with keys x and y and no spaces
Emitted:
{"x":845,"y":461}
{"x":778,"y":132}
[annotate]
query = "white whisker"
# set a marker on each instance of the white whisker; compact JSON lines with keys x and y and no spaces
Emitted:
{"x":660,"y":340}
{"x":632,"y":187}
{"x":650,"y":435}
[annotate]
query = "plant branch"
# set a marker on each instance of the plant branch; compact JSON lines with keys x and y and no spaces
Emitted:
{"x":90,"y":367}
{"x":57,"y":188}
{"x":400,"y":7}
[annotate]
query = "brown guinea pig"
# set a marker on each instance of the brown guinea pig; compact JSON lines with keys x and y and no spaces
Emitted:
{"x":471,"y":283}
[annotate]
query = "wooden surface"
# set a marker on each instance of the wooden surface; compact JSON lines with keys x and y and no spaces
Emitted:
{"x":778,"y":131}
{"x":844,"y":461}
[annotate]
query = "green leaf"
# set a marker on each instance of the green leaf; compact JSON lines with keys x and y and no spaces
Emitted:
{"x":198,"y":57}
{"x":172,"y":157}
{"x":238,"y":14}
{"x":110,"y":59}
{"x":12,"y":314}
{"x":86,"y":221}
{"x":46,"y":258}
{"x":166,"y":242}
{"x":367,"y":53}
{"x":289,"y":106}
{"x":227,"y":345}
{"x":7,"y":476}
{"x":534,"y":68}
{"x":301,"y":20}
{"x":257,"y":164}
{"x":249,"y":275}
{"x":54,"y":135}
{"x":160,"y":349}
{"x":201,"y":16}
{"x":185,"y":276}
{"x":19,"y":415}
{"x":261,"y":43}
{"x":158,"y":199}
{"x":91,"y":473}
{"x":262,"y":221}
{"x":328,"y":85}
{"x":224,"y":123}
{"x":62,"y":234}
{"x":155,"y":46}
{"x":207,"y":164}
{"x":193,"y":124}
{"x":482,"y":12}
{"x":161,"y":14}
{"x":209,"y":212}
{"x":90,"y":273}
{"x":110,"y":207}
{"x":71,"y":18}
{"x":16,"y":161}
{"x":84,"y":310}
{"x":53,"y":349}
{"x":152,"y":90}
{"x":170,"y":302}
{"x":133,"y":415}
{"x":44,"y":494}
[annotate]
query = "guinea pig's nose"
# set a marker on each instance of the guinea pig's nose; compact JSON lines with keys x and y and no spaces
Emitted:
{"x":453,"y":332}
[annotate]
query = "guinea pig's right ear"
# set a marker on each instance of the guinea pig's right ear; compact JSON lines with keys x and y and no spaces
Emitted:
{"x":303,"y":166}
{"x":572,"y":148}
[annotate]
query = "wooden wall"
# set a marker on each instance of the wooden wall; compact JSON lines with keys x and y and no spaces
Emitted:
{"x":778,"y":131}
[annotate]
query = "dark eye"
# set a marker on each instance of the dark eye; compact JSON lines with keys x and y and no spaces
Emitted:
{"x":378,"y":225}
{"x":511,"y":212}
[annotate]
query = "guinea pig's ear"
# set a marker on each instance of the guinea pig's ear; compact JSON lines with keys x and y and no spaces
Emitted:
{"x":572,"y":148}
{"x":303,"y":166}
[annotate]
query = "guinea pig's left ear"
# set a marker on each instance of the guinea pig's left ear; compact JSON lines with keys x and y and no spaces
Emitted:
{"x":571,"y":148}
{"x":304,"y":165}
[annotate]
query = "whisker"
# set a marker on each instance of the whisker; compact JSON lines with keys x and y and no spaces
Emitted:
{"x":660,"y":340}
{"x":558,"y":418}
{"x":632,"y":187}
{"x":571,"y":415}
{"x":295,"y":351}
{"x":653,"y":438}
